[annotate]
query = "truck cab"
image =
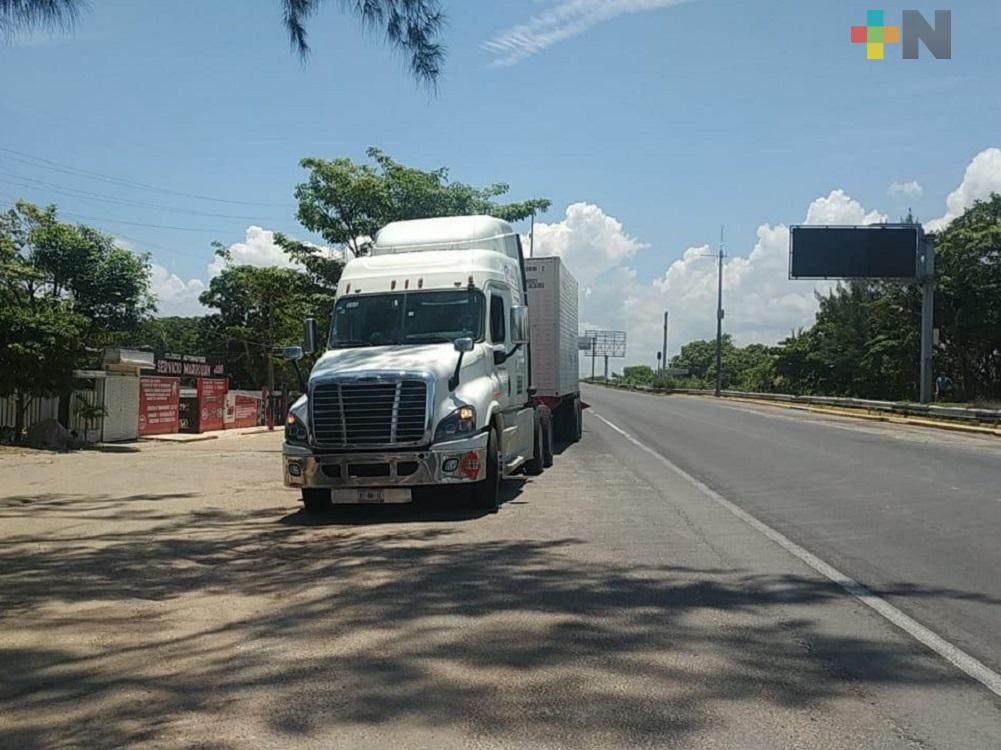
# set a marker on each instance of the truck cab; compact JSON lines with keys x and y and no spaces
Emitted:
{"x":426,"y":375}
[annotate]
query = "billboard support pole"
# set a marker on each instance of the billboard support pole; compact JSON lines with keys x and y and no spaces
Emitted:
{"x":606,"y":368}
{"x":664,"y":349}
{"x":719,"y":319}
{"x":927,"y":316}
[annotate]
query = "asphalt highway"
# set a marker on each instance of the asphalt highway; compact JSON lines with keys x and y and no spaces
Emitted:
{"x":912,"y":513}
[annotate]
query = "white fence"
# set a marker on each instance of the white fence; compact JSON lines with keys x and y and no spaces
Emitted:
{"x":47,"y":407}
{"x":39,"y":408}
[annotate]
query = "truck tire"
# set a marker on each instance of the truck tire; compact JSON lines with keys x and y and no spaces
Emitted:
{"x":578,"y":420}
{"x":316,"y":500}
{"x":547,"y":440}
{"x":486,"y":492}
{"x":536,"y":464}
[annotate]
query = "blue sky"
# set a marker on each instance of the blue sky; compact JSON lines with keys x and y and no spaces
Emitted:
{"x":669,"y":119}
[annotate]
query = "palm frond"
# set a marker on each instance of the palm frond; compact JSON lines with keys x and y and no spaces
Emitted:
{"x":23,"y":16}
{"x":412,"y":27}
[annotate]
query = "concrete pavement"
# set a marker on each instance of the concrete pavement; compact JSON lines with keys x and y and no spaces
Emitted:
{"x":176,"y":597}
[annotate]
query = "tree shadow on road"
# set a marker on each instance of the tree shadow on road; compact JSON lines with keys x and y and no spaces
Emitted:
{"x":515,"y":640}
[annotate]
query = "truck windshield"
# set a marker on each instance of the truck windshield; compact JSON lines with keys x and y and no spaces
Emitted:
{"x":407,"y":318}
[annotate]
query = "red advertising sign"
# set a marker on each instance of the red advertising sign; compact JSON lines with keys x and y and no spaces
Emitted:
{"x":241,"y":410}
{"x":211,"y":403}
{"x":158,"y":405}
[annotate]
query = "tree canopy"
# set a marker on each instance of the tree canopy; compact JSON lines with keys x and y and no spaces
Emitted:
{"x":259,"y":312}
{"x":347,"y":203}
{"x":63,"y":288}
{"x":411,"y":27}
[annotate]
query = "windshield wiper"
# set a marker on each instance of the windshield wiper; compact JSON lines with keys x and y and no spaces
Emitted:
{"x":428,"y":338}
{"x":350,"y":343}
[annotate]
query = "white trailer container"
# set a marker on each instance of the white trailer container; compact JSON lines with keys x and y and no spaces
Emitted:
{"x":552,"y":316}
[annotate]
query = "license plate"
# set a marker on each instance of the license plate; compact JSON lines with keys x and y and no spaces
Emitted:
{"x":373,"y":496}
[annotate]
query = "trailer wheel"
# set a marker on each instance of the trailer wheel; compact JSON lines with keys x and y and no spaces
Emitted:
{"x":535,"y":466}
{"x":316,"y":500}
{"x":547,"y":439}
{"x":578,"y":420}
{"x":486,"y":492}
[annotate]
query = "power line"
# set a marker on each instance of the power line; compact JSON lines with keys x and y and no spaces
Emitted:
{"x":141,"y":244}
{"x":43,"y":163}
{"x":33,"y":183}
{"x":204,"y":230}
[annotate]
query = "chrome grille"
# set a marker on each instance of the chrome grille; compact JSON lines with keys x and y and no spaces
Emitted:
{"x":369,"y":413}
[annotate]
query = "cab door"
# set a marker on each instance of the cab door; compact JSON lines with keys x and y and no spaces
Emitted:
{"x":499,"y":305}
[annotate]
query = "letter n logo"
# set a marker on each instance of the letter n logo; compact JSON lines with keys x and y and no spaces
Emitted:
{"x":937,"y":39}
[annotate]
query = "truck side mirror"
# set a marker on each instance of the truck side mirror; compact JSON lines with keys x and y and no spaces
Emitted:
{"x":309,"y":335}
{"x":519,"y":324}
{"x":462,"y":346}
{"x":293,"y":353}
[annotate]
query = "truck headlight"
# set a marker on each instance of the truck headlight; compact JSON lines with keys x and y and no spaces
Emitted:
{"x":459,"y":423}
{"x":295,"y":430}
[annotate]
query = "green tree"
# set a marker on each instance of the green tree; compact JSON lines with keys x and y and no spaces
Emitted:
{"x":699,"y":358}
{"x":174,"y":334}
{"x":260,"y":311}
{"x":864,"y":343}
{"x":347,"y":203}
{"x":752,"y":368}
{"x":637,"y":375}
{"x":968,"y":300}
{"x":411,"y":27}
{"x":63,"y":288}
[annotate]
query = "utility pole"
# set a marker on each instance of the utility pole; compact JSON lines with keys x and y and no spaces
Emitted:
{"x":664,"y":349}
{"x":606,"y":368}
{"x":531,"y":237}
{"x":271,"y":392}
{"x":719,"y":317}
{"x":594,"y":343}
{"x":927,"y":316}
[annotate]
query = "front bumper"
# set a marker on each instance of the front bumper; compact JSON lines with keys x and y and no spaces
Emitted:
{"x":454,"y":462}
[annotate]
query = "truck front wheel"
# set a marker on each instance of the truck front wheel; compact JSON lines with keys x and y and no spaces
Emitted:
{"x":316,"y":500}
{"x":486,"y":492}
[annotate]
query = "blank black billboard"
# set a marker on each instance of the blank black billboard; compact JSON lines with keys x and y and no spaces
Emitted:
{"x":874,"y":252}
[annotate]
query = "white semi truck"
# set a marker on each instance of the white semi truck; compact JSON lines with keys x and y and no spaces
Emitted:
{"x":433,"y":374}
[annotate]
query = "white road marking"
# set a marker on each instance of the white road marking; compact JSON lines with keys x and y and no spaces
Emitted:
{"x":955,"y":656}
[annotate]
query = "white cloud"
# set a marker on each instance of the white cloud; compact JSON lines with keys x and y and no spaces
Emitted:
{"x":983,"y":177}
{"x":762,"y":304}
{"x":258,"y":249}
{"x":559,"y":21}
{"x":838,"y":208}
{"x":905,"y":190}
{"x":588,"y":239}
{"x":174,"y":295}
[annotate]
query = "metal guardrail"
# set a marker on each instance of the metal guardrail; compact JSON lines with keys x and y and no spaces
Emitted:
{"x":970,"y":415}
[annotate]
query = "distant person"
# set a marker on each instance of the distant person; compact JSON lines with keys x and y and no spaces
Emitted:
{"x":943,"y":385}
